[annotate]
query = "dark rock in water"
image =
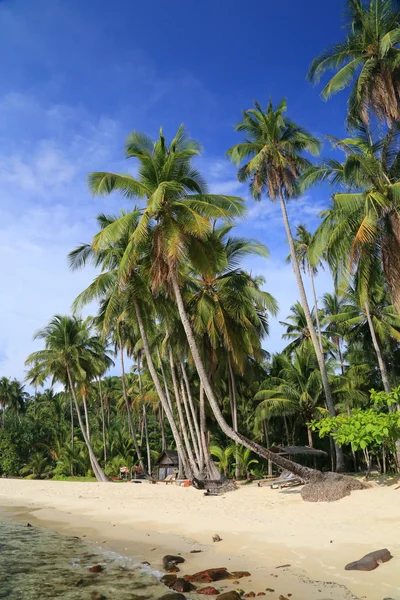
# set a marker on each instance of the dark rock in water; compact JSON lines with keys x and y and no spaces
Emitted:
{"x":181,"y":585}
{"x":195,"y":551}
{"x":370,"y":561}
{"x":240,"y":574}
{"x":269,"y":590}
{"x":216,"y":538}
{"x":28,"y":525}
{"x":232,"y":595}
{"x":208,"y":591}
{"x":250,"y":595}
{"x":97,"y":596}
{"x":171,"y":568}
{"x":145,"y":562}
{"x":171,"y":559}
{"x":173,"y":596}
{"x":168,"y":580}
{"x":282,"y":566}
{"x":209,"y":575}
{"x":95,"y":569}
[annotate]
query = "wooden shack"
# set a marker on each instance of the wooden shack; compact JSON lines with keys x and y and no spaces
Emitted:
{"x":167,"y":464}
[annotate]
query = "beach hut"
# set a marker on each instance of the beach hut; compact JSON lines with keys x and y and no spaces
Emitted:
{"x":167,"y":464}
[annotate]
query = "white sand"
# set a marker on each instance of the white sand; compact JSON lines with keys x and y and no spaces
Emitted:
{"x":260,"y":530}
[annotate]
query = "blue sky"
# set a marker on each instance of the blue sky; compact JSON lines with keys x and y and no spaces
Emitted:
{"x":76,"y":77}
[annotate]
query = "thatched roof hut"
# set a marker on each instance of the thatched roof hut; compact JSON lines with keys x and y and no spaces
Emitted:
{"x":167,"y":464}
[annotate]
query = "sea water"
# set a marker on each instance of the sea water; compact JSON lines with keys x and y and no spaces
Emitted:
{"x":36,"y":563}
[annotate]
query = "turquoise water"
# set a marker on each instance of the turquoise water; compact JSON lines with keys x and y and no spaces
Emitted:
{"x":36,"y":564}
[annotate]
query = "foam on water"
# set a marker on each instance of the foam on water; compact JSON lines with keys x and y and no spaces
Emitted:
{"x":37,"y":563}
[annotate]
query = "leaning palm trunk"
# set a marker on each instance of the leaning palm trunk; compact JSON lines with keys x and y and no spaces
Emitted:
{"x":164,"y":402}
{"x":132,"y":428}
{"x":167,"y":394}
{"x":234,"y":412}
{"x":316,"y":307}
{"x":145,"y":423}
{"x":194,"y":415}
{"x":86,"y":415}
{"x":303,"y":472}
{"x":190,"y":424}
{"x":310,"y":324}
{"x":98,"y":471}
{"x":103,"y":421}
{"x":382,"y":366}
{"x":180,"y":414}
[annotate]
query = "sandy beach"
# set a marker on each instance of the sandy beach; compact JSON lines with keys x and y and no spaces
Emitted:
{"x":261,"y":530}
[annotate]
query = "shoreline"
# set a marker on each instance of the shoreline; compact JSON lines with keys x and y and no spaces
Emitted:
{"x":261,"y":530}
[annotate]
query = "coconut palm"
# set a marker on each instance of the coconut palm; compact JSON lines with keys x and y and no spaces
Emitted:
{"x":70,"y":356}
{"x":372,"y":317}
{"x":369,"y":58}
{"x":297,"y":390}
{"x":130,"y":303}
{"x":175,"y":226}
{"x":12,"y":396}
{"x":308,"y":264}
{"x":362,"y":224}
{"x":274,"y":162}
{"x":298,"y":332}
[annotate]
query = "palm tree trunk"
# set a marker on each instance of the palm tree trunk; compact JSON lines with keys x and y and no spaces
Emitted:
{"x":163,"y":399}
{"x":382,"y":366}
{"x":209,"y":464}
{"x":180,"y":413}
{"x":162,"y":428}
{"x":286,"y":430}
{"x":190,"y":424}
{"x":234,"y":412}
{"x":86,"y":415}
{"x":316,"y":307}
{"x":103,"y":421}
{"x":98,"y":471}
{"x":167,"y":394}
{"x":146,"y":437}
{"x":132,"y":427}
{"x":194,"y":415}
{"x":310,"y":324}
{"x":266,"y":438}
{"x":145,"y":423}
{"x":71,"y":408}
{"x":295,"y":468}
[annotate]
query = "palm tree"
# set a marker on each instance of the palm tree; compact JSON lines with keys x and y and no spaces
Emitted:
{"x":131,"y":302}
{"x":70,"y":356}
{"x":223,"y":456}
{"x":302,"y":244}
{"x":297,"y":330}
{"x":174,"y":228}
{"x":273,"y":150}
{"x":372,"y":317}
{"x":12,"y":396}
{"x":297,"y":390}
{"x":369,"y":57}
{"x":362,"y":224}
